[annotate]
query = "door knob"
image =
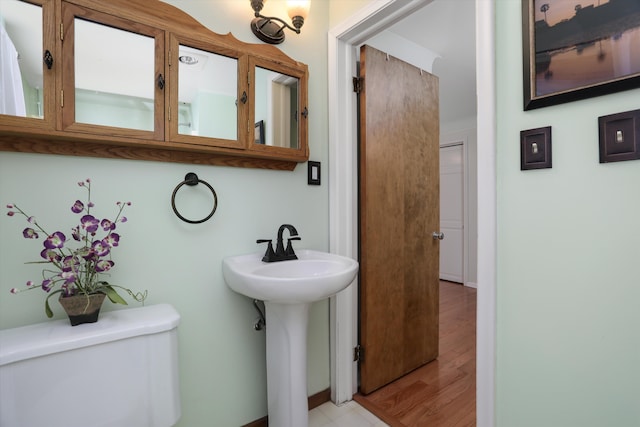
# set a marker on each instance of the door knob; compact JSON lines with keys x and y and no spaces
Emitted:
{"x":438,"y":236}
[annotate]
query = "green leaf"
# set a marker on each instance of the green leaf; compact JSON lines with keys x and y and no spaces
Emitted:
{"x":47,"y":308}
{"x":113,"y":295}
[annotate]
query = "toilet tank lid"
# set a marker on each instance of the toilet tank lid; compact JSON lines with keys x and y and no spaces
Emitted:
{"x":46,"y":338}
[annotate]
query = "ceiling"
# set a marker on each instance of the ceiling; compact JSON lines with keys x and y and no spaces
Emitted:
{"x":447,"y":28}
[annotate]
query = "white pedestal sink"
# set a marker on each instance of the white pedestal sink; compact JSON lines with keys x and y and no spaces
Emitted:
{"x":288,"y":288}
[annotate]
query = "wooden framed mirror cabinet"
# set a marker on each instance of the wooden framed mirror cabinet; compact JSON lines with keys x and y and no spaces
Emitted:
{"x":131,"y":79}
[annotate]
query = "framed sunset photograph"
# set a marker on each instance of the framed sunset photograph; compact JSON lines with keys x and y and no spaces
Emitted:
{"x":577,"y":49}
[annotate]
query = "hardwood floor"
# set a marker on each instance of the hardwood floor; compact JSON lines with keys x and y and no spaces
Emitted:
{"x":441,"y":393}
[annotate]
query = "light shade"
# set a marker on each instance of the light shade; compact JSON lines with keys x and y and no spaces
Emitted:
{"x":298,"y":8}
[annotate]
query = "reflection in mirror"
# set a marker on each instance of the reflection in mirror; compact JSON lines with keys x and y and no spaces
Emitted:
{"x":207,"y":94}
{"x":277,"y":107}
{"x":115,"y":80}
{"x":21,"y":59}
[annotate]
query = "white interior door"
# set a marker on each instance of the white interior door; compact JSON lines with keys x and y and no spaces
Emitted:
{"x":452,"y":212}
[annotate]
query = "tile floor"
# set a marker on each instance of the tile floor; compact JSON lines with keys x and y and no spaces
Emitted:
{"x":349,"y":414}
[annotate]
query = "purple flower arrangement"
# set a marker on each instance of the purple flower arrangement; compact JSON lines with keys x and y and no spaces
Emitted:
{"x":76,"y":265}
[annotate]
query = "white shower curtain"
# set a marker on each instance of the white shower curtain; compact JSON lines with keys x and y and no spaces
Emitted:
{"x":11,"y":92}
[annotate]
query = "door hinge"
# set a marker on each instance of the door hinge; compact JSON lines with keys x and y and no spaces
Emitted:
{"x":357,"y":84}
{"x":358,"y":354}
{"x":62,"y":99}
{"x":169,"y":113}
{"x":61,"y":31}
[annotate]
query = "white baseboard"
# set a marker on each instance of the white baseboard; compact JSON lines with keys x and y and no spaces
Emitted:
{"x":472,"y":285}
{"x":451,"y":278}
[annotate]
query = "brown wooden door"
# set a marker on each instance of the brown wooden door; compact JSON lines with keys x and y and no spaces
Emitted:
{"x":399,"y":211}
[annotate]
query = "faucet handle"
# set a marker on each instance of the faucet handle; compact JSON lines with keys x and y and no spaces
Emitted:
{"x":269,"y":255}
{"x":289,"y":250}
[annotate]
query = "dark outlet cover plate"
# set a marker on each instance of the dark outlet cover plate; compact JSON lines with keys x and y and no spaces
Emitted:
{"x":535,"y":148}
{"x":619,"y":136}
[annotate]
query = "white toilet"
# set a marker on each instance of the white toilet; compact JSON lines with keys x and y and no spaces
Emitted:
{"x":119,"y":372}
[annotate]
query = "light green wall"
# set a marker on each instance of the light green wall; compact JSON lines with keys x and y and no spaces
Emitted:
{"x":568,"y":287}
{"x":222,"y":359}
{"x":215,"y":115}
{"x":32,"y":97}
{"x":343,"y":9}
{"x":116,"y":110}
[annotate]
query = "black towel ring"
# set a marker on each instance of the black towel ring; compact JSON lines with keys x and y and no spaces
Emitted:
{"x":192,"y":179}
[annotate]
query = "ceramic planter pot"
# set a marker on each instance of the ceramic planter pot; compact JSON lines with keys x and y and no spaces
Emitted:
{"x":82,"y":308}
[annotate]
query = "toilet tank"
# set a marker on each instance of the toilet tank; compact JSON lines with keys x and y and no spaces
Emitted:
{"x":119,"y":372}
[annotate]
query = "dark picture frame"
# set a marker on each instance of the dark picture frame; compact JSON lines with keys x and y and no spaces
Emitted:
{"x":570,"y":46}
{"x":258,"y":135}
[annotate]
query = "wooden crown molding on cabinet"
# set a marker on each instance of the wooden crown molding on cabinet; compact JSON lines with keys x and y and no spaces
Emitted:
{"x":57,"y":134}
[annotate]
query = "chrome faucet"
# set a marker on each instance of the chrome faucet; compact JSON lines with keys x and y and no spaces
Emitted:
{"x":281,"y":253}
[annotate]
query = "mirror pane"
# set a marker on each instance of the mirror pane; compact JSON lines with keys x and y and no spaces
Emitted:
{"x":21,"y":59}
{"x":114,"y":76}
{"x":207,"y":94}
{"x":276,"y":110}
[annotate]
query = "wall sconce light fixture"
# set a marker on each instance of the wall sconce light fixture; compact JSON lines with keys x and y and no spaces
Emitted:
{"x":271,"y":29}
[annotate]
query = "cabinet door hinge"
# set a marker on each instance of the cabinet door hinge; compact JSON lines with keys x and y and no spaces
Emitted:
{"x":169,"y":113}
{"x":358,"y":354}
{"x":357,"y":84}
{"x":62,"y":31}
{"x":169,"y":57}
{"x":62,"y":99}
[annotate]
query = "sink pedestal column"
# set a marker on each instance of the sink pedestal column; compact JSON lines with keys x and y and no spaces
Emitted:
{"x":287,"y":364}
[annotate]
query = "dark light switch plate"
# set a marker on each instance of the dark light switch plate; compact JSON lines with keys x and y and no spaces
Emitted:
{"x":619,"y":136}
{"x":313,"y":173}
{"x":535,"y":148}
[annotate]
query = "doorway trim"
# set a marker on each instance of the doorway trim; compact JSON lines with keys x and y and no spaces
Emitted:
{"x":454,"y":140}
{"x":342,"y":41}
